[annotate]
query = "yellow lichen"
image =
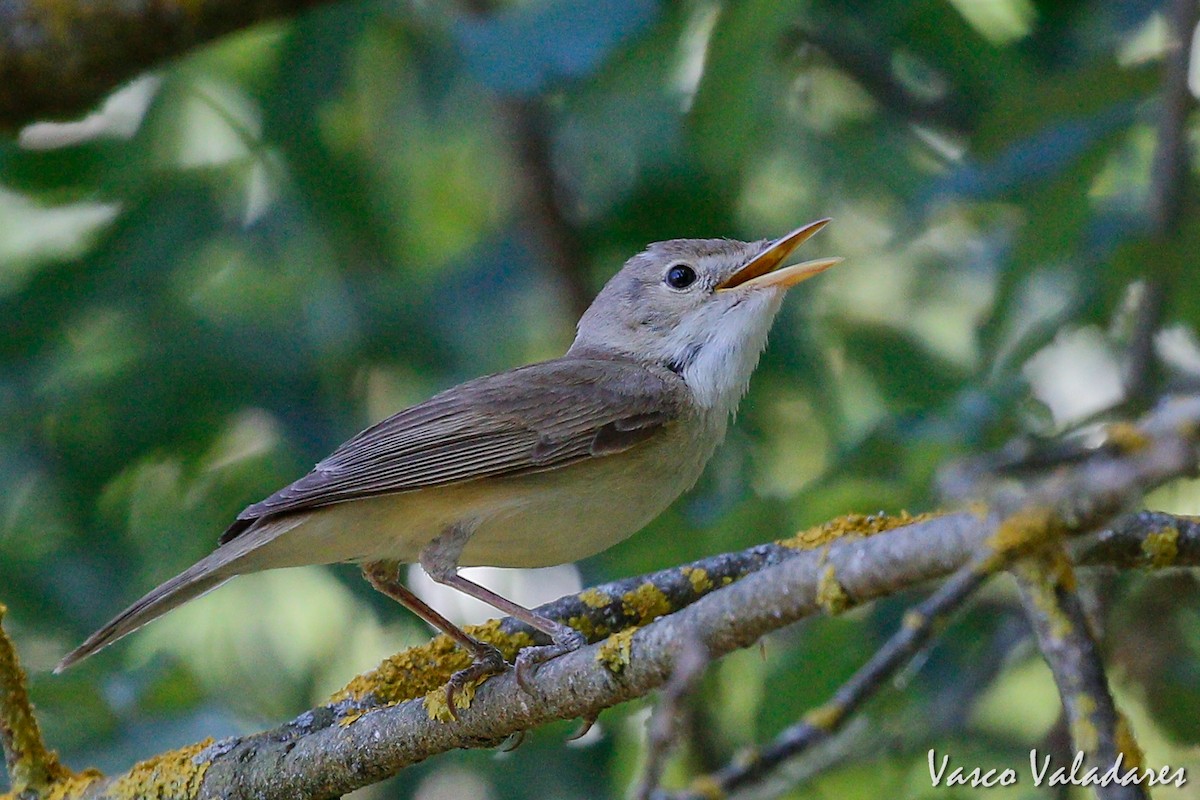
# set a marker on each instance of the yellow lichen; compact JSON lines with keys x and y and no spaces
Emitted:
{"x":1161,"y":547}
{"x":827,"y":717}
{"x":33,"y":767}
{"x":590,"y":629}
{"x":1083,"y":729}
{"x":437,"y":707}
{"x":617,"y":650}
{"x":850,"y":525}
{"x":979,"y":509}
{"x":174,"y":774}
{"x":645,"y":603}
{"x":1027,"y":530}
{"x":913,"y":620}
{"x":1062,"y":571}
{"x":1126,"y":437}
{"x":830,"y":594}
{"x":707,"y":787}
{"x":72,"y":785}
{"x":417,"y":671}
{"x":1044,"y":574}
{"x":350,"y":717}
{"x":1127,"y":744}
{"x":699,"y":579}
{"x":594,"y":598}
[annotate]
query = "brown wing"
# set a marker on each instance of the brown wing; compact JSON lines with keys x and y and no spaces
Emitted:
{"x":528,"y":420}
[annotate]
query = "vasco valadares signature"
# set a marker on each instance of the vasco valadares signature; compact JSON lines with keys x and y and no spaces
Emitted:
{"x":1044,"y":772}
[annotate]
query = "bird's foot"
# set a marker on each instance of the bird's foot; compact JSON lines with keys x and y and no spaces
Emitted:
{"x":488,"y":662}
{"x":565,"y":641}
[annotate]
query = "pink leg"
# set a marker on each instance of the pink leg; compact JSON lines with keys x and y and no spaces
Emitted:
{"x":385,"y":577}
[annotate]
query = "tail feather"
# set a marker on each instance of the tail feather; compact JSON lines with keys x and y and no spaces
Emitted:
{"x":251,"y":551}
{"x":197,"y":579}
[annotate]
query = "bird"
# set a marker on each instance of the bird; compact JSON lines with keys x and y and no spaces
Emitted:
{"x":540,"y":465}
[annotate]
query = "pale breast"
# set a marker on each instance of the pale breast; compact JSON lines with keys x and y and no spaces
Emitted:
{"x":578,"y":511}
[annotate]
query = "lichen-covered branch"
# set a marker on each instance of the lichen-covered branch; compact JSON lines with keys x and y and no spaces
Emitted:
{"x":1150,"y":540}
{"x":31,"y":766}
{"x":391,"y":717}
{"x":1098,"y":730}
{"x":1145,"y":540}
{"x":58,"y":57}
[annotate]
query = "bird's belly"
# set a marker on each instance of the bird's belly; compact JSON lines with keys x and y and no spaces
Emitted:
{"x":575,"y":512}
{"x":563,"y":519}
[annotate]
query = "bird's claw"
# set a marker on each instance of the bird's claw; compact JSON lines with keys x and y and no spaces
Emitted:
{"x":513,"y":742}
{"x":488,"y":662}
{"x":585,"y":725}
{"x":529,"y":659}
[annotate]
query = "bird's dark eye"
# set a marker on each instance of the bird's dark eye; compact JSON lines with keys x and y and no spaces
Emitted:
{"x":680,"y":276}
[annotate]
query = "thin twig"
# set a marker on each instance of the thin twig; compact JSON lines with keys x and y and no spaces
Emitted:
{"x":872,"y":66}
{"x":1170,"y":176}
{"x":920,"y":624}
{"x":667,"y":721}
{"x":1170,"y":171}
{"x":542,"y":199}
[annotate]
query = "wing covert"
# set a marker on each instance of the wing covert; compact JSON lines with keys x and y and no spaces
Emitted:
{"x":530,"y":419}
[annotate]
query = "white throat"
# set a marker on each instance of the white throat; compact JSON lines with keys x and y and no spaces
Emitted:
{"x":719,"y":374}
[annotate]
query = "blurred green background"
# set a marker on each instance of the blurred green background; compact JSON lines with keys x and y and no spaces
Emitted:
{"x":306,"y":226}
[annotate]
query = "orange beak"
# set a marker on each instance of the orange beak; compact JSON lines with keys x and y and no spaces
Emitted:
{"x":760,"y":271}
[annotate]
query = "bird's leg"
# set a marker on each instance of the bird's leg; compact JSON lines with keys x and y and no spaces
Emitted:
{"x":439,"y":559}
{"x":564,"y":638}
{"x":488,"y":661}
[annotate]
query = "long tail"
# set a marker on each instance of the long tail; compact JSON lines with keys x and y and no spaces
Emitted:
{"x":249,"y":552}
{"x":204,"y":575}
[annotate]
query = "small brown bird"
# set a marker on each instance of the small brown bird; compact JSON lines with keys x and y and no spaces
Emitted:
{"x":540,"y":465}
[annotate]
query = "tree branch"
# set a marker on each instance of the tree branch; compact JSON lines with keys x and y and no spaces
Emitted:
{"x":58,"y":58}
{"x":31,"y":766}
{"x":1012,"y":537}
{"x":1146,"y":540}
{"x":666,"y":723}
{"x":1097,"y":729}
{"x":389,"y":719}
{"x":872,"y":66}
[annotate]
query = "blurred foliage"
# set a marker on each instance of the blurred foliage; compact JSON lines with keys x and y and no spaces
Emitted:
{"x":312,"y":224}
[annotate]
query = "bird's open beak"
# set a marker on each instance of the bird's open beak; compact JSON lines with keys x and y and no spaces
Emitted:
{"x":760,"y":271}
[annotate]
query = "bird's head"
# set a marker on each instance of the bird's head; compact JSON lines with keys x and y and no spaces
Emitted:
{"x":700,"y":307}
